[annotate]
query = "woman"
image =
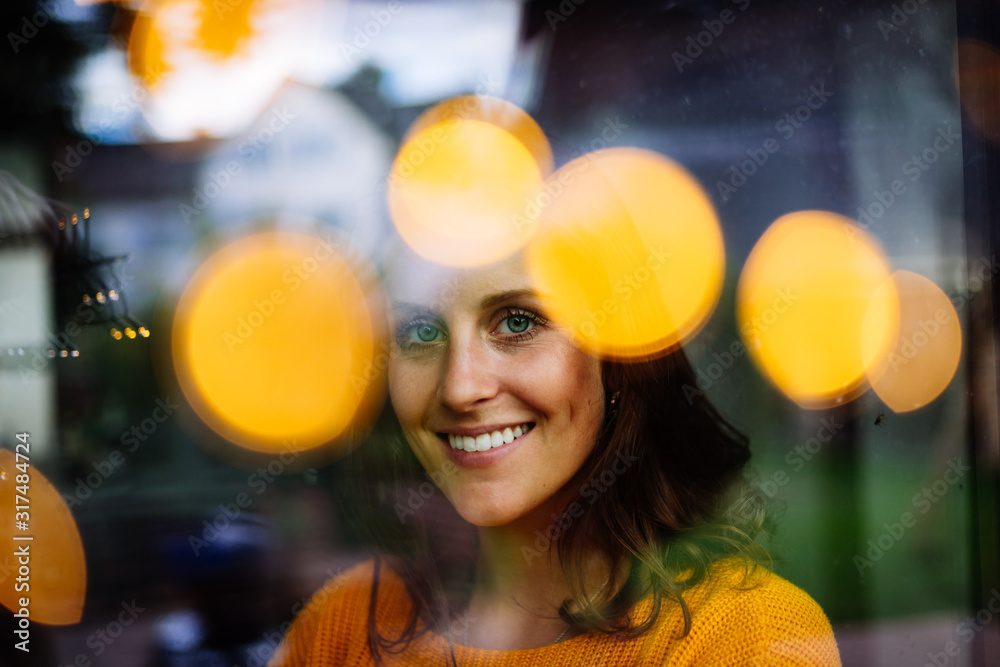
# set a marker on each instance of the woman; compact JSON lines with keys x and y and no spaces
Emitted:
{"x":611,"y":526}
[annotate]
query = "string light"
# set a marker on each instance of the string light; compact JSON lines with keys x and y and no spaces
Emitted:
{"x":116,"y":334}
{"x":130,"y":332}
{"x":100,"y":297}
{"x":144,"y":332}
{"x":86,"y":299}
{"x":113,"y":295}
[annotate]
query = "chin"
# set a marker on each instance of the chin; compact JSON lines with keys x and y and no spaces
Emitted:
{"x":486,"y":515}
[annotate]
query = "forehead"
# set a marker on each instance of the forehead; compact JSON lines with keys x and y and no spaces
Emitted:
{"x":413,"y":279}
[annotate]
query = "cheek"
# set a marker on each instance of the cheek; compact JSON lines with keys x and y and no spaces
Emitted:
{"x":404,"y":394}
{"x":589,"y":406}
{"x":583,"y":376}
{"x":569,"y":387}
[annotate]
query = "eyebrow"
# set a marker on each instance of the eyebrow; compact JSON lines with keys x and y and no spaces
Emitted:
{"x":408,"y":306}
{"x":487,"y":302}
{"x":500,"y":297}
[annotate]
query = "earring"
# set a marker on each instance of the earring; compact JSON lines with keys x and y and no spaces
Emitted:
{"x":613,"y":404}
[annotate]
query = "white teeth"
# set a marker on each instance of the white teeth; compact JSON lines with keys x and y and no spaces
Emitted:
{"x":485,"y":441}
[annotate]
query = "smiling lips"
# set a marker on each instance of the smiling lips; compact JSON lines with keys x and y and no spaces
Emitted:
{"x":486,"y":441}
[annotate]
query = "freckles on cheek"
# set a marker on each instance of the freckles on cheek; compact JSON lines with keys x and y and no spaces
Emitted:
{"x":399,"y":389}
{"x":410,"y":393}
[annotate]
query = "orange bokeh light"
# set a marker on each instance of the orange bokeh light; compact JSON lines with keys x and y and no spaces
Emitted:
{"x":801,"y":306}
{"x":923,"y":358}
{"x":274,"y":342}
{"x":463,"y":179}
{"x":631,"y":251}
{"x":57,"y":567}
{"x":492,"y":110}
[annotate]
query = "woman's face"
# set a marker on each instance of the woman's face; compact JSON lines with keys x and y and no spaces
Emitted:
{"x":475,"y":363}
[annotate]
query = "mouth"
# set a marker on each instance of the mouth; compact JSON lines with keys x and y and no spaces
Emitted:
{"x":486,"y":441}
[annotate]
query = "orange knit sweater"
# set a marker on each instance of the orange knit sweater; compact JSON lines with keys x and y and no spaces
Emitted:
{"x":772,"y":623}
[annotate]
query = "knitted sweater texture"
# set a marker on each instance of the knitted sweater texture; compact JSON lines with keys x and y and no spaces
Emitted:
{"x":767,"y":622}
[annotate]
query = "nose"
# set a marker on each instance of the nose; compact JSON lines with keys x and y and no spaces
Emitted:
{"x":470,"y":374}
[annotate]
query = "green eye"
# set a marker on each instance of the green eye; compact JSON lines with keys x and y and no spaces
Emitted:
{"x":427,"y":333}
{"x":518,"y":323}
{"x":418,"y":332}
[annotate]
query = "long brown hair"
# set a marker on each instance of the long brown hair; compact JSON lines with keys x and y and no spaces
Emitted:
{"x":680,"y":506}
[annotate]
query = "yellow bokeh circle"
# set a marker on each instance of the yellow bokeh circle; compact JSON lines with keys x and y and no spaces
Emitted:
{"x":495,"y":111}
{"x":274,"y":342}
{"x":630,"y":250}
{"x":462,"y":187}
{"x":923,"y":358}
{"x":801,"y":306}
{"x":55,"y":583}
